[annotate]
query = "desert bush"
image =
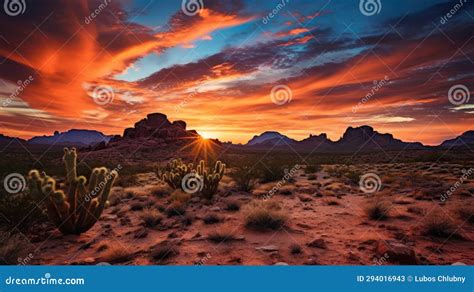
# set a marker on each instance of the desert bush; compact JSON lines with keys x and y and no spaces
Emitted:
{"x":232,"y":205}
{"x":180,"y":196}
{"x":12,"y":248}
{"x":264,"y":215}
{"x":176,"y":208}
{"x":81,"y":208}
{"x":20,"y":211}
{"x":245,"y":177}
{"x":271,"y":170}
{"x":312,"y":177}
{"x":295,"y":249}
{"x":439,"y":225}
{"x":151,"y":217}
{"x":164,"y":251}
{"x":377,"y":209}
{"x":211,"y":218}
{"x":221,"y":235}
{"x":312,"y":168}
{"x":353,"y":176}
{"x":116,"y":254}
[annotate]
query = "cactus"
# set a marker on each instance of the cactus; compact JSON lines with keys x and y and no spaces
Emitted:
{"x":210,"y":179}
{"x":174,"y":173}
{"x":79,"y":209}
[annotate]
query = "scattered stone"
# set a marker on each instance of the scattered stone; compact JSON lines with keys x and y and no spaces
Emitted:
{"x":318,"y":243}
{"x":268,"y":248}
{"x":397,"y":252}
{"x":281,"y":264}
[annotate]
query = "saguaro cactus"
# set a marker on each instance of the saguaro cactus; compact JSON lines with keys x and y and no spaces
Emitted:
{"x":79,"y":209}
{"x":210,"y":178}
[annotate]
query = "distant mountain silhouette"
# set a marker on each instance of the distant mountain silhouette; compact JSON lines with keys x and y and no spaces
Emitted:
{"x":78,"y":138}
{"x":270,"y":138}
{"x":363,"y":138}
{"x":466,"y":139}
{"x":158,"y":132}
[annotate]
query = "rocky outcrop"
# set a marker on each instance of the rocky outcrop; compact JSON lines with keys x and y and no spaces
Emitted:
{"x":157,"y":126}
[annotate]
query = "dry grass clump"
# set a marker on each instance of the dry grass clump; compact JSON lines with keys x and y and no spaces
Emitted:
{"x":211,"y":218}
{"x":232,"y":205}
{"x":180,"y":196}
{"x":116,"y":254}
{"x":439,"y":225}
{"x":377,"y":209}
{"x":164,"y":251}
{"x":178,"y":203}
{"x":221,"y":235}
{"x":12,"y":248}
{"x":265,"y":215}
{"x":151,"y":217}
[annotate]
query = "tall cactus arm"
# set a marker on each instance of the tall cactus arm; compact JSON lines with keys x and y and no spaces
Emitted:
{"x":69,"y":159}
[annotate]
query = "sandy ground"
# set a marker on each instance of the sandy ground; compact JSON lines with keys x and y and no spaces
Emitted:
{"x":327,"y":220}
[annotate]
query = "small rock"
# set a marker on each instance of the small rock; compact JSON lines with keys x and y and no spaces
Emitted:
{"x":318,"y":243}
{"x":268,"y":248}
{"x":214,"y":209}
{"x":311,"y":261}
{"x":397,"y":252}
{"x":281,"y":264}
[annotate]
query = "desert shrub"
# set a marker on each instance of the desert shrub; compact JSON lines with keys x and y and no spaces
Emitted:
{"x":151,"y":217}
{"x":312,"y":177}
{"x":164,"y":251}
{"x":271,"y":170}
{"x":221,"y":235}
{"x":245,"y":177}
{"x":438,"y":225}
{"x":174,"y":172}
{"x":353,"y":176}
{"x":232,"y":206}
{"x":295,"y":249}
{"x":20,"y":211}
{"x":12,"y":248}
{"x":176,"y":208}
{"x":377,"y":209}
{"x":264,"y":215}
{"x":116,"y":254}
{"x":312,"y":168}
{"x":210,"y":178}
{"x":211,"y":218}
{"x":336,"y":171}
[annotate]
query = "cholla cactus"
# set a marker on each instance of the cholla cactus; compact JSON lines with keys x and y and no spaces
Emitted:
{"x":210,"y":179}
{"x":79,"y":209}
{"x":174,"y":173}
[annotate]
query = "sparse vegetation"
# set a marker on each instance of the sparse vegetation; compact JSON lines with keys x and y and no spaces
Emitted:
{"x":116,"y":254}
{"x":211,"y":218}
{"x":265,"y":215}
{"x":245,"y":177}
{"x":151,"y":217}
{"x":312,"y":168}
{"x":439,"y":225}
{"x":465,"y":213}
{"x":378,"y":209}
{"x":81,"y":208}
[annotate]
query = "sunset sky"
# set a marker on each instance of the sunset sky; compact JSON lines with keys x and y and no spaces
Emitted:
{"x":328,"y":65}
